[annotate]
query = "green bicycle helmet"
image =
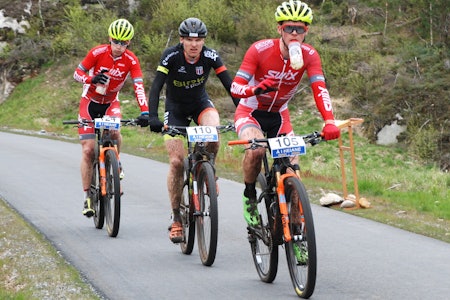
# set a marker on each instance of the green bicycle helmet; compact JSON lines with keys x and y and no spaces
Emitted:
{"x":121,"y":30}
{"x":296,"y":11}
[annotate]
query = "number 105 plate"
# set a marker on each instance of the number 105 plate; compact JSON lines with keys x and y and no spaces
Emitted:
{"x":287,"y":146}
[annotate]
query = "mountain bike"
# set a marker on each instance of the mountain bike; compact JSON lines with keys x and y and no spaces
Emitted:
{"x":199,"y":207}
{"x":285,"y":216}
{"x":105,"y":190}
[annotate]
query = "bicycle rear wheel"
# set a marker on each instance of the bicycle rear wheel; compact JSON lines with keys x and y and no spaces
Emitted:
{"x":264,"y":249}
{"x":301,"y":250}
{"x":112,"y":197}
{"x":99,"y":216}
{"x":207,"y":218}
{"x":187,"y":212}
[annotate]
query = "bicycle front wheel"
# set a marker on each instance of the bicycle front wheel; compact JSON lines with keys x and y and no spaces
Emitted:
{"x":112,"y":197}
{"x":264,"y":248}
{"x":207,"y":217}
{"x":301,"y":250}
{"x":187,"y":212}
{"x":99,"y":216}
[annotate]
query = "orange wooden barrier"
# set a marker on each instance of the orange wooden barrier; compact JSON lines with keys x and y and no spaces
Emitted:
{"x":349,"y":123}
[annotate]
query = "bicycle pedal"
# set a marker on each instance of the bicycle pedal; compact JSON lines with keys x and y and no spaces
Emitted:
{"x":251,"y":238}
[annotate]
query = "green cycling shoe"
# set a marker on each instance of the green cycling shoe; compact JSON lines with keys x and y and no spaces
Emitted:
{"x":251,"y":214}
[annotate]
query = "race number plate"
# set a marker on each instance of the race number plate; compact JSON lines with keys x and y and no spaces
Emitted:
{"x":202,"y":134}
{"x":287,"y":146}
{"x":107,"y":123}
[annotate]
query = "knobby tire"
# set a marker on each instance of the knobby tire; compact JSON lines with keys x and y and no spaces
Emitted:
{"x":264,"y":251}
{"x":112,"y":197}
{"x":99,"y":216}
{"x":303,"y":273}
{"x":187,"y":212}
{"x":207,"y":220}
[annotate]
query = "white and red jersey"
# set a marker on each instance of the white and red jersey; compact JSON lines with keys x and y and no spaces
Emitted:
{"x":118,"y":69}
{"x":264,"y":59}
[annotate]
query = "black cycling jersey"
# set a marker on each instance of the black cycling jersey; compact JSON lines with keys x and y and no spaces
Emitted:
{"x":185,"y":82}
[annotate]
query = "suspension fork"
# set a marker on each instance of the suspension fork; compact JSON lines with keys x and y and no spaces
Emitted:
{"x":196,"y":166}
{"x":283,"y":205}
{"x":101,"y":162}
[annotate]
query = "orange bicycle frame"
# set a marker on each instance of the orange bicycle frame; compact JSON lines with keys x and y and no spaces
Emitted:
{"x":101,"y":163}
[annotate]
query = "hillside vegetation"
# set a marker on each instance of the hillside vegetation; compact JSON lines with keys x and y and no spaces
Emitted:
{"x":385,"y":61}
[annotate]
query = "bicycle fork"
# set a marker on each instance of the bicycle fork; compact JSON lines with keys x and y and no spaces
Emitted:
{"x":283,"y":205}
{"x":101,"y":161}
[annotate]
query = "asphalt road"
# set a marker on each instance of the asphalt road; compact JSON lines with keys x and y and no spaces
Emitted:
{"x":358,"y":258}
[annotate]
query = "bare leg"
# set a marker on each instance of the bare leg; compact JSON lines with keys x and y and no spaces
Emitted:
{"x":252,"y":158}
{"x":176,"y":152}
{"x":87,"y":157}
{"x":210,"y":117}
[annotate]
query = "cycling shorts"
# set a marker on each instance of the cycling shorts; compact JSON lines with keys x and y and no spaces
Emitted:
{"x":183,"y":115}
{"x":90,"y":110}
{"x":271,"y":123}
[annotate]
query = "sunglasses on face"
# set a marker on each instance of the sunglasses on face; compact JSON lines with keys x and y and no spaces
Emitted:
{"x":290,"y":29}
{"x":121,"y":43}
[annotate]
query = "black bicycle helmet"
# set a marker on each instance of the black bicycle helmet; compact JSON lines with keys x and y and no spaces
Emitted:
{"x":192,"y":27}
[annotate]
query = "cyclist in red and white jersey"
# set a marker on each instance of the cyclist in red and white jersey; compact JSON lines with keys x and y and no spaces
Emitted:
{"x":267,"y":80}
{"x":106,"y":66}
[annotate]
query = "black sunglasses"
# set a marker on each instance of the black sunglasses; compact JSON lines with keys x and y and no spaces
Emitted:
{"x":290,"y":29}
{"x":121,"y":43}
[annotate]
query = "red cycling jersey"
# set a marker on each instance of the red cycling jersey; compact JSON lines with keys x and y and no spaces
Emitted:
{"x":99,"y":58}
{"x":264,"y":59}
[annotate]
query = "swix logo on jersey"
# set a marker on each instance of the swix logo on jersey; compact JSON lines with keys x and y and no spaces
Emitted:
{"x":80,"y":78}
{"x":189,"y":83}
{"x":116,"y":73}
{"x":140,"y":93}
{"x":238,"y":89}
{"x":211,"y":54}
{"x":289,"y":75}
{"x":326,"y":98}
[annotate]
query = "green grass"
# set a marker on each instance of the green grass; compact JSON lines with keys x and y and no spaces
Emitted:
{"x":30,"y":266}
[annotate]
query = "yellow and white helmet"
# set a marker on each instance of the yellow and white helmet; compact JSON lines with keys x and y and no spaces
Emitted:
{"x":293,"y":10}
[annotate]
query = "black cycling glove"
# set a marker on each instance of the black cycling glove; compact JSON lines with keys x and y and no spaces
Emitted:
{"x":100,"y":78}
{"x":142,"y":120}
{"x":155,"y":124}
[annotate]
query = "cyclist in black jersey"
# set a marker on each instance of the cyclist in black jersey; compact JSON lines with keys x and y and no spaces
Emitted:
{"x":184,"y":69}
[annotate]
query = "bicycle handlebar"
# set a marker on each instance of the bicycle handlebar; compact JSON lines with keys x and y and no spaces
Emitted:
{"x":81,"y":123}
{"x":312,"y":138}
{"x":179,"y":130}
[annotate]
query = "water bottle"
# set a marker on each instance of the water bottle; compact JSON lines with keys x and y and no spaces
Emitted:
{"x":102,"y":88}
{"x":295,"y":55}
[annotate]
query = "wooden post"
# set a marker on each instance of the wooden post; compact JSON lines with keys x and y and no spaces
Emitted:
{"x":349,"y":123}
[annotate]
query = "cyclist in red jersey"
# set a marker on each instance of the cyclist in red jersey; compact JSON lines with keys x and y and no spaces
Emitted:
{"x":267,"y":80}
{"x":106,"y":66}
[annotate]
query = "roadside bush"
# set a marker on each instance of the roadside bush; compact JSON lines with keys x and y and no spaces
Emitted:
{"x":83,"y":30}
{"x":423,"y":142}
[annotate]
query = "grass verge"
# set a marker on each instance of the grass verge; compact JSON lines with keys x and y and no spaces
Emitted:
{"x":30,"y":266}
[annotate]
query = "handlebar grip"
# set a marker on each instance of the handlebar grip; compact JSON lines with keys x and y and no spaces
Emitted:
{"x":238,"y":142}
{"x":71,"y":122}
